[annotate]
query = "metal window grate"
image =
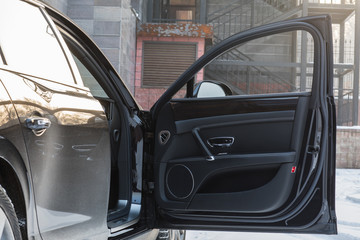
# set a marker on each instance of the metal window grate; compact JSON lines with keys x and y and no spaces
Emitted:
{"x":164,"y":62}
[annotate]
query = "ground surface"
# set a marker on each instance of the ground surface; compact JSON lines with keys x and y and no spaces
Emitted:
{"x":347,"y":211}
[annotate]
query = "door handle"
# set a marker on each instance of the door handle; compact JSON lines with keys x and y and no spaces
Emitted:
{"x":209,"y":156}
{"x":221,"y":142}
{"x":37,"y":123}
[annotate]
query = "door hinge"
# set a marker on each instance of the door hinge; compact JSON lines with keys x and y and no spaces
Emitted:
{"x":150,"y":186}
{"x":149,"y":137}
{"x":134,"y":111}
{"x":333,"y":218}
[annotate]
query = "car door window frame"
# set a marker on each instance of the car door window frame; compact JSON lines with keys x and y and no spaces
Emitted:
{"x":243,"y":37}
{"x":86,"y":60}
{"x":76,"y":75}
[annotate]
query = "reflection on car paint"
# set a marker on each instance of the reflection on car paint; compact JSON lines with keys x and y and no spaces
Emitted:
{"x":58,"y":219}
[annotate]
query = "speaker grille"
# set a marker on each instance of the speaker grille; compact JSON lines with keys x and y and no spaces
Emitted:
{"x":180,"y":181}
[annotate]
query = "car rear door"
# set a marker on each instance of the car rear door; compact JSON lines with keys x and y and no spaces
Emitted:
{"x":263,"y":158}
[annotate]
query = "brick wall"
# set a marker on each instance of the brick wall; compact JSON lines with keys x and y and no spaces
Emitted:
{"x":146,"y":97}
{"x":182,"y":33}
{"x":348,"y":147}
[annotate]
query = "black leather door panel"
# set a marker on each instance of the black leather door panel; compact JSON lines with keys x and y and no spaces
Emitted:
{"x":259,"y":160}
{"x":223,"y":170}
{"x":183,"y":126}
{"x":263,"y":199}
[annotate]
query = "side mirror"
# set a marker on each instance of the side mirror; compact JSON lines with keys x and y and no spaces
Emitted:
{"x":211,"y":89}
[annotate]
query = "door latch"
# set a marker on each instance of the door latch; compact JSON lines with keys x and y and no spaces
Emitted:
{"x":314,"y":151}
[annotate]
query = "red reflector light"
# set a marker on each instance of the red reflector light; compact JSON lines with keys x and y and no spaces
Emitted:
{"x":293,"y":169}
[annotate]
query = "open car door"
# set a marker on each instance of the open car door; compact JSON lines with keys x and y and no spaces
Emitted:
{"x":261,"y":158}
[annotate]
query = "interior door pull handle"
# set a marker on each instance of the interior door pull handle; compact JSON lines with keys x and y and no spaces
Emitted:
{"x":221,"y":142}
{"x":37,"y":123}
{"x":209,"y":157}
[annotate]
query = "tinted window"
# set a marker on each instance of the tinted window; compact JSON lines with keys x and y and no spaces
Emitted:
{"x":89,"y":80}
{"x":279,"y":63}
{"x":29,"y":44}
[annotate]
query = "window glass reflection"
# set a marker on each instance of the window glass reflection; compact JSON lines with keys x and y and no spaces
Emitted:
{"x":29,"y":45}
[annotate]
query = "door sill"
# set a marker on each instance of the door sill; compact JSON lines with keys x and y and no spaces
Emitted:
{"x":119,"y":224}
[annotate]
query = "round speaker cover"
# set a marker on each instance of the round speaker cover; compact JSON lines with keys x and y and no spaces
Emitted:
{"x":180,"y":181}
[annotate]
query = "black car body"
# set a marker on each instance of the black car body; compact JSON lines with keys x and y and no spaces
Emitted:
{"x":79,"y":159}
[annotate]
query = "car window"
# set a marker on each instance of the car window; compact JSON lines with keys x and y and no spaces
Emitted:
{"x":89,"y":80}
{"x":29,"y":44}
{"x":279,"y":63}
